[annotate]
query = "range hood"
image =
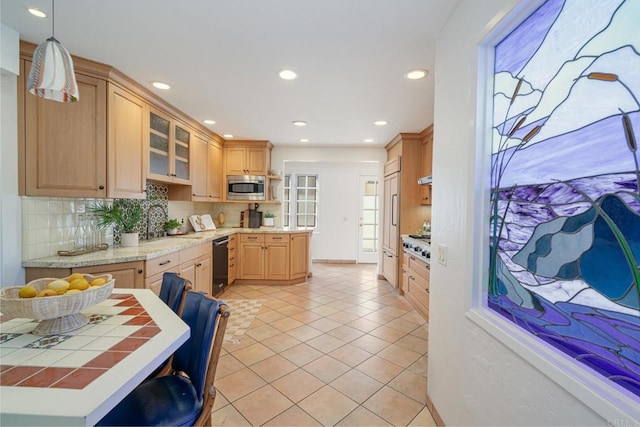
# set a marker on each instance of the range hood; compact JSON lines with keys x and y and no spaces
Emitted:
{"x":425,"y":180}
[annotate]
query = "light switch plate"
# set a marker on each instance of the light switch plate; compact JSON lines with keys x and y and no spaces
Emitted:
{"x":442,"y":254}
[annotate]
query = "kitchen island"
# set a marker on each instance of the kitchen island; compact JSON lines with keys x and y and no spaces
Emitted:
{"x":266,"y":255}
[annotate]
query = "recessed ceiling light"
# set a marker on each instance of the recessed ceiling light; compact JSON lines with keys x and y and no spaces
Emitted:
{"x":368,"y":140}
{"x":287,"y":74}
{"x":299,"y":123}
{"x":380,"y":122}
{"x":161,"y":85}
{"x":228,"y":135}
{"x":209,"y":122}
{"x":416,"y":74}
{"x":304,"y":140}
{"x":37,"y":12}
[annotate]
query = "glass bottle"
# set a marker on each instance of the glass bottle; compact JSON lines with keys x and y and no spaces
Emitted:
{"x":80,"y":237}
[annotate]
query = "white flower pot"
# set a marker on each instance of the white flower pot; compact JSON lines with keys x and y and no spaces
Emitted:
{"x":129,"y":239}
{"x":268,"y":222}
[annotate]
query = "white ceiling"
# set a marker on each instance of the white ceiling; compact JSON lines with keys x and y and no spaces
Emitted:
{"x":221,"y":58}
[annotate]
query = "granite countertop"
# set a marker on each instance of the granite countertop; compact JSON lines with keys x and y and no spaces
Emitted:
{"x":147,"y":249}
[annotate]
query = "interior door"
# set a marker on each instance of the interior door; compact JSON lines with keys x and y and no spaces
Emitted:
{"x":369,"y":220}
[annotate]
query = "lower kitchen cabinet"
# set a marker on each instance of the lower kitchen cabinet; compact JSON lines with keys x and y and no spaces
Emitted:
{"x":299,"y":256}
{"x":232,"y":261}
{"x":194,"y":264}
{"x":415,"y":283}
{"x":251,"y":256}
{"x":127,"y":274}
{"x":276,"y":256}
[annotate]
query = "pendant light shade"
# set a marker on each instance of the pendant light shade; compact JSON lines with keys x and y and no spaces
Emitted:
{"x":52,"y":75}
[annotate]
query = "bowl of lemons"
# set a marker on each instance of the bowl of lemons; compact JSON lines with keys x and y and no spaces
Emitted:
{"x":56,"y":302}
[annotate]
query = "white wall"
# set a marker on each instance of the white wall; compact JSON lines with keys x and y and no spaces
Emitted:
{"x":11,"y":271}
{"x":474,"y":378}
{"x":339,"y":168}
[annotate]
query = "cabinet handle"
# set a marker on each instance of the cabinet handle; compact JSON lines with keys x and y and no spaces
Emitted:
{"x":232,"y":265}
{"x":165,"y":262}
{"x":277,"y":238}
{"x":101,"y":187}
{"x":140,"y":271}
{"x":199,"y":264}
{"x":252,"y":237}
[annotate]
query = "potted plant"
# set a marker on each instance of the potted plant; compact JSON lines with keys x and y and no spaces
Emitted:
{"x":171,"y":226}
{"x":125,"y":219}
{"x":268,"y":220}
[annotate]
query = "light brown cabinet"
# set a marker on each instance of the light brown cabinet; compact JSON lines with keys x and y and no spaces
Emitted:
{"x":199,"y":180}
{"x":215,"y":181}
{"x":247,"y":157}
{"x":402,"y":213}
{"x":251,"y":256}
{"x":276,"y":256}
{"x":299,"y":255}
{"x":194,"y":264}
{"x":63,"y":150}
{"x":232,"y":261}
{"x":127,"y":274}
{"x":169,"y":149}
{"x":126,"y":144}
{"x":416,"y":281}
{"x":427,"y":164}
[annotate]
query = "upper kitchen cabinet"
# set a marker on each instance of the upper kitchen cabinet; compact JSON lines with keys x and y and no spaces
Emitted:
{"x":206,"y":177}
{"x":169,"y":149}
{"x":63,"y":147}
{"x":427,"y":163}
{"x":247,"y":157}
{"x":126,"y":135}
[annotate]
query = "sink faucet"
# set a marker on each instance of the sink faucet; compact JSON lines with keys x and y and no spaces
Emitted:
{"x":164,"y":213}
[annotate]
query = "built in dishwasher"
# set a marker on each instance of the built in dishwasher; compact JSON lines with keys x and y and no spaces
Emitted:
{"x":220,"y":265}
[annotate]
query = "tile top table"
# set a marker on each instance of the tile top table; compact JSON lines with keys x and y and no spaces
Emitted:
{"x":75,"y":378}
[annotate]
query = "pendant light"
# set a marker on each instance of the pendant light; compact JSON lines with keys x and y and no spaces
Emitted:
{"x":52,"y":75}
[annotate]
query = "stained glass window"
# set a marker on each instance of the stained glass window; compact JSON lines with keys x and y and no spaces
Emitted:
{"x":565,"y":183}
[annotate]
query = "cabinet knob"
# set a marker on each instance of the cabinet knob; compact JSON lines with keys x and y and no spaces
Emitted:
{"x":101,"y":187}
{"x":140,"y":271}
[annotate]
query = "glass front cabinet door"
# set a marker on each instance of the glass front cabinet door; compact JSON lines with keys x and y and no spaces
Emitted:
{"x":169,"y":149}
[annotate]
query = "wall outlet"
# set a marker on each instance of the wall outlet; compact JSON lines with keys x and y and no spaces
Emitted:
{"x":442,"y":254}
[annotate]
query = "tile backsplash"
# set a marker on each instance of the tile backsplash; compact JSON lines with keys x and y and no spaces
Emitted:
{"x":49,"y":223}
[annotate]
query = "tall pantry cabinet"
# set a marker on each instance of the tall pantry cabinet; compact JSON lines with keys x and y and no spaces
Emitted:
{"x":402,"y":213}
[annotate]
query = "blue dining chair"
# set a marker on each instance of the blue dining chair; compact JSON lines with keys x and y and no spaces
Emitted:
{"x":173,"y":290}
{"x":184,"y":397}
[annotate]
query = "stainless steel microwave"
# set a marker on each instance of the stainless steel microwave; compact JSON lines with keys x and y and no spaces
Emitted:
{"x":246,"y":187}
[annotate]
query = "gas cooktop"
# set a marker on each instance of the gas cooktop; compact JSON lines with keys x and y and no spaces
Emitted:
{"x":419,"y":236}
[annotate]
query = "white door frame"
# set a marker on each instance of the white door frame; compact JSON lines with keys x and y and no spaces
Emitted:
{"x":362,"y":256}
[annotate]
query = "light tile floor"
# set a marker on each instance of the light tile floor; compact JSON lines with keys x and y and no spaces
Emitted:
{"x":342,"y":349}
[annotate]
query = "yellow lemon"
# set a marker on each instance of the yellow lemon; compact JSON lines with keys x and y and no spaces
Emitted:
{"x":46,"y":293}
{"x":59,"y":285}
{"x":74,"y":276}
{"x":99,"y":281}
{"x":79,"y":284}
{"x":72,"y":291}
{"x":27,"y":291}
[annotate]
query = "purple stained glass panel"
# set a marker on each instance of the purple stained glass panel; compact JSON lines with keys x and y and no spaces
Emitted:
{"x":565,"y":183}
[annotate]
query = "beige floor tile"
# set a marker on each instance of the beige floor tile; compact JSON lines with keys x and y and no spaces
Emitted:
{"x":419,"y":366}
{"x":245,"y":341}
{"x":324,"y":310}
{"x":286,"y":324}
{"x":328,"y":405}
{"x":413,"y":343}
{"x":301,"y":354}
{"x":380,"y":369}
{"x":326,"y":368}
{"x":220,"y":401}
{"x":239,"y":384}
{"x":364,"y":325}
{"x":262,"y":332}
{"x":403,"y":325}
{"x":356,"y":385}
{"x":306,"y":317}
{"x":325,"y":343}
{"x":388,"y":334}
{"x":280,"y":342}
{"x":350,"y":355}
{"x":370,"y":343}
{"x":400,"y":356}
{"x":227,"y":365}
{"x":362,"y":417}
{"x":274,"y":367}
{"x":262,"y":405}
{"x":421,"y":332}
{"x":253,"y":354}
{"x":411,"y":385}
{"x":228,"y":416}
{"x":393,"y":406}
{"x":270,"y":316}
{"x":298,"y":385}
{"x":345,"y":333}
{"x":343,"y":317}
{"x":290,"y":310}
{"x":293,"y":417}
{"x":304,"y":333}
{"x":324,"y":324}
{"x":423,"y":419}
